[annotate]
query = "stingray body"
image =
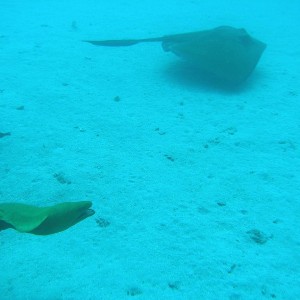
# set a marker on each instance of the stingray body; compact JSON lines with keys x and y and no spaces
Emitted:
{"x":229,"y":54}
{"x":43,"y":220}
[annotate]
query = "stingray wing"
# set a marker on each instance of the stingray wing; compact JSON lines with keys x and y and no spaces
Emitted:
{"x":229,"y":54}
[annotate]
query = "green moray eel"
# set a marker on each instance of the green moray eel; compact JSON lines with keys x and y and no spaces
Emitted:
{"x":43,"y":220}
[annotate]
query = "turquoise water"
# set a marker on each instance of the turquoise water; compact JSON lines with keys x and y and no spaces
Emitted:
{"x":195,"y":187}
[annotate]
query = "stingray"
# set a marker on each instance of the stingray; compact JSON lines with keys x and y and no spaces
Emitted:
{"x":43,"y":220}
{"x":226,"y":53}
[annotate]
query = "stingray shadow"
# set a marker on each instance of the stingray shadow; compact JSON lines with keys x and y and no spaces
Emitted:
{"x":190,"y":76}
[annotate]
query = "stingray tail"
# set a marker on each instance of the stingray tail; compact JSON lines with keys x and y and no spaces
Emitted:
{"x":122,"y":43}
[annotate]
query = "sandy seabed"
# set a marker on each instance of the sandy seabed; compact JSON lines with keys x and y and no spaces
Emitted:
{"x":196,"y":188}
